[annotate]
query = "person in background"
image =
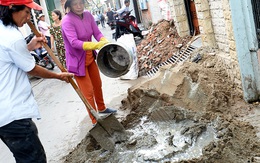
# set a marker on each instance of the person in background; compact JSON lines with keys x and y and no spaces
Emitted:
{"x":102,"y":19}
{"x":44,"y":28}
{"x":110,"y":16}
{"x":96,"y":18}
{"x":18,"y":105}
{"x":124,"y":9}
{"x":56,"y":36}
{"x":78,"y":28}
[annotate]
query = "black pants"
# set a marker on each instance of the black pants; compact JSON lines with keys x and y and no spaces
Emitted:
{"x":49,"y":41}
{"x":21,"y":137}
{"x":103,"y":23}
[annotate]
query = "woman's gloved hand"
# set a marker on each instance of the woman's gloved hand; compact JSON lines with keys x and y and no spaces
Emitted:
{"x":104,"y":39}
{"x":95,"y":45}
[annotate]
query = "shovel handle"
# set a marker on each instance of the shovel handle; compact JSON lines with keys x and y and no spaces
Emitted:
{"x":72,"y":82}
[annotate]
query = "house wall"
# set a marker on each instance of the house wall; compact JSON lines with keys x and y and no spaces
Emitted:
{"x":219,"y":24}
{"x":155,"y":11}
{"x":215,"y":24}
{"x":230,"y":48}
{"x":179,"y":15}
{"x":217,"y":32}
{"x":214,"y":20}
{"x":146,"y":17}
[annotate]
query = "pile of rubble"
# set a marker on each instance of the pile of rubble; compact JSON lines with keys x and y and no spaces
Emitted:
{"x":189,"y":113}
{"x":159,"y":45}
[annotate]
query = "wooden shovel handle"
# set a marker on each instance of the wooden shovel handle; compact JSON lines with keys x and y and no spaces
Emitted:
{"x":72,"y":82}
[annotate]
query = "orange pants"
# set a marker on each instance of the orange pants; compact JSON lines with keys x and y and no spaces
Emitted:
{"x":91,"y":85}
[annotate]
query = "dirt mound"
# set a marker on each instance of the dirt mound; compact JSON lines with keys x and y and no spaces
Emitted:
{"x":186,"y":113}
{"x":159,"y":45}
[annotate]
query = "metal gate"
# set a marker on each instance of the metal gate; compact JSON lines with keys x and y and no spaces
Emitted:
{"x":256,"y":13}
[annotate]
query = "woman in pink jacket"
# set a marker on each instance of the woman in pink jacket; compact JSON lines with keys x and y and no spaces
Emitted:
{"x":78,"y":27}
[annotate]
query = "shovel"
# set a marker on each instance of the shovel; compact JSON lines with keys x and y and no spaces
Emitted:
{"x":108,"y":129}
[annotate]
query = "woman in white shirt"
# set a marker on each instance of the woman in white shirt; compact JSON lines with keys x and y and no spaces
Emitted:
{"x":44,"y":28}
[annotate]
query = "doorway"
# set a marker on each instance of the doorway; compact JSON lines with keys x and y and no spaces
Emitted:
{"x":136,"y":9}
{"x":192,"y":17}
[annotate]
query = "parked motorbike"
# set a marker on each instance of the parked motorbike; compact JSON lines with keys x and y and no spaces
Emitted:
{"x":125,"y":25}
{"x":41,"y":56}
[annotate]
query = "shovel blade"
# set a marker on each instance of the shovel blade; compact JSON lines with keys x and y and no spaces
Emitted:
{"x":108,"y":131}
{"x":102,"y":137}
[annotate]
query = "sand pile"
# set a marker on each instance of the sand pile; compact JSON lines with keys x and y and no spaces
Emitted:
{"x":185,"y":113}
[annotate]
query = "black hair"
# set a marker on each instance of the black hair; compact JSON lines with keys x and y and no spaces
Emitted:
{"x":68,"y":4}
{"x":126,"y":1}
{"x":6,"y":14}
{"x":57,"y":12}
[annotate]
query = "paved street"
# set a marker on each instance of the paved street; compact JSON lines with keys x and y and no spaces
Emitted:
{"x":64,"y":117}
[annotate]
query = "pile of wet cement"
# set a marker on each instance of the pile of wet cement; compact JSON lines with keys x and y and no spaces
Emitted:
{"x":186,"y":113}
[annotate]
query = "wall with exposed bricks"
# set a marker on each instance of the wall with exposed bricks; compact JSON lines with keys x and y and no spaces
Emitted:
{"x":216,"y":30}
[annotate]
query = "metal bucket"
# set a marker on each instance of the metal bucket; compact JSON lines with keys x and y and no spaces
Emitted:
{"x":114,"y":59}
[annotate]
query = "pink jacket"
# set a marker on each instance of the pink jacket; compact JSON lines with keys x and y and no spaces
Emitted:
{"x":75,"y":32}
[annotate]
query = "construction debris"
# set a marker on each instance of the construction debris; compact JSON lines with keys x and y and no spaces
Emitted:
{"x":162,"y":42}
{"x":187,"y":113}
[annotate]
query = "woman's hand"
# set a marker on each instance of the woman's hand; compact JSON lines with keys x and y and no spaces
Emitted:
{"x":95,"y":45}
{"x":101,"y":44}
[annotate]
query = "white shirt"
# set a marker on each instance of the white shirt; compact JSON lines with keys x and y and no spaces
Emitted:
{"x":123,"y":9}
{"x":16,"y":96}
{"x":44,"y":28}
{"x":96,"y":18}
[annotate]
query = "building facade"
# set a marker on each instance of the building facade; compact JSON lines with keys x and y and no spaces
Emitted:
{"x":230,"y":26}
